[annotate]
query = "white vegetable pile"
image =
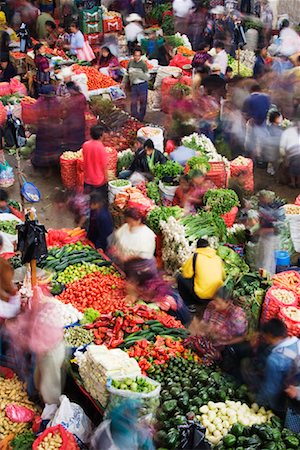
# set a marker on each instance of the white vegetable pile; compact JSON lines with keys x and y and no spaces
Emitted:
{"x":176,"y":248}
{"x":98,"y":364}
{"x":204,"y":146}
{"x":219,"y":417}
{"x":65,"y":313}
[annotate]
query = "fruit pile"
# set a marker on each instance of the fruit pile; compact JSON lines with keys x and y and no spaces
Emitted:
{"x":96,"y":80}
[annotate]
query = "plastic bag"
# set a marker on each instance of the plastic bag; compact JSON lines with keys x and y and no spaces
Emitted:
{"x":148,"y":401}
{"x":17,"y":87}
{"x":192,"y":436}
{"x":68,"y":440}
{"x":7,"y":178}
{"x":73,"y":418}
{"x":19,"y":414}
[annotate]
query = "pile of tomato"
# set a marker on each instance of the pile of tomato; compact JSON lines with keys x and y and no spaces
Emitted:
{"x":96,"y":80}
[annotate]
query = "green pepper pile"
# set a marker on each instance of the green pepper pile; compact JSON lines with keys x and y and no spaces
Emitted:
{"x":261,"y":437}
{"x":186,"y":387}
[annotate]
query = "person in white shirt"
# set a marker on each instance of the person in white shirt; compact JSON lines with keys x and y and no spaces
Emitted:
{"x":134,"y":31}
{"x":221,"y":57}
{"x":182,"y":10}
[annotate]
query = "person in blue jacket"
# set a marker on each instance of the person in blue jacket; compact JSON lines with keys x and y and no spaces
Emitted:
{"x":101,"y":222}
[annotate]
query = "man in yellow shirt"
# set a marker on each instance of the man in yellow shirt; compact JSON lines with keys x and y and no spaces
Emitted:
{"x":202,"y":275}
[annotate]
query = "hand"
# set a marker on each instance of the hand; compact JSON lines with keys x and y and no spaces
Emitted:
{"x":291,"y":391}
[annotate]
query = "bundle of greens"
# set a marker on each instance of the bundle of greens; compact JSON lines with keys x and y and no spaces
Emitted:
{"x":125,"y":158}
{"x":153,"y":192}
{"x":235,"y":266}
{"x":158,"y":11}
{"x":162,"y":213}
{"x":170,"y":169}
{"x":180,"y":90}
{"x":204,"y":224}
{"x":221,"y":201}
{"x":199,"y":163}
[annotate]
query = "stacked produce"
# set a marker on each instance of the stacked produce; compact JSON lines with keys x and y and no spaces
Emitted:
{"x":78,"y":336}
{"x":59,"y":259}
{"x":267,"y":436}
{"x":75,"y":272}
{"x":133,"y":198}
{"x":103,"y":292}
{"x":9,"y":226}
{"x":66,"y":313}
{"x":59,"y":238}
{"x":218,"y":418}
{"x":125,"y":158}
{"x":162,"y":213}
{"x":13,"y":392}
{"x":96,"y":79}
{"x":98,"y":364}
{"x":186,"y":387}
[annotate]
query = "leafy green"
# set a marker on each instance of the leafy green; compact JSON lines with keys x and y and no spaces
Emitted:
{"x":170,"y":169}
{"x":199,"y":163}
{"x":221,"y":201}
{"x":158,"y":11}
{"x":180,"y":90}
{"x":235,"y":266}
{"x":174,"y":41}
{"x":162,"y":213}
{"x":168,"y":25}
{"x":124,"y":160}
{"x":23,"y":441}
{"x":205,"y":223}
{"x":89,"y":316}
{"x":153,"y":192}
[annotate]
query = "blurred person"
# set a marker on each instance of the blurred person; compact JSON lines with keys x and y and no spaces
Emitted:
{"x":144,"y":281}
{"x":52,"y":33}
{"x":77,"y":203}
{"x":197,"y":25}
{"x":134,"y":240}
{"x":109,"y":64}
{"x":25,"y":12}
{"x":4,"y":44}
{"x":146,"y":160}
{"x":181,"y":153}
{"x":41,"y":27}
{"x":68,"y":12}
{"x":266,"y":16}
{"x":270,"y":216}
{"x":76,"y":39}
{"x":63,"y":37}
{"x":181,"y":12}
{"x":137,"y":75}
{"x":95,"y":162}
{"x":75,"y":106}
{"x":200,"y":185}
{"x":281,"y":63}
{"x":43,"y":68}
{"x":137,"y":7}
{"x":133,"y":31}
{"x":214,"y":84}
{"x":202,"y":57}
{"x":289,"y":39}
{"x":8,"y":70}
{"x":257,"y":105}
{"x":283,"y":352}
{"x":4,"y":27}
{"x":202,"y":275}
{"x":10,"y":301}
{"x":292,"y":418}
{"x":181,"y":197}
{"x":123,"y":430}
{"x":221,"y":57}
{"x":223,"y":323}
{"x":154,"y":47}
{"x":290,"y":150}
{"x":100,"y":222}
{"x":260,"y":66}
{"x":222,"y":28}
{"x":271,"y":150}
{"x":5,"y":207}
{"x":47,"y":6}
{"x":229,"y":74}
{"x":246,"y":6}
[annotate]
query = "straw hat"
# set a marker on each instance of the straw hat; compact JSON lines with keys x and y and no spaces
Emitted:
{"x":133,"y":17}
{"x":215,"y":68}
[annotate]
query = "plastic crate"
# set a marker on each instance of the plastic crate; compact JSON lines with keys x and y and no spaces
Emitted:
{"x":91,"y":15}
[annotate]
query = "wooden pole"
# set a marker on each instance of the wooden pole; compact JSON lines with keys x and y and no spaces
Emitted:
{"x":239,"y":58}
{"x":32,"y":216}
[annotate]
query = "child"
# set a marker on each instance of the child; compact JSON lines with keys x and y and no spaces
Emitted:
{"x":101,"y":223}
{"x":6,"y":208}
{"x":63,"y":37}
{"x":181,"y":196}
